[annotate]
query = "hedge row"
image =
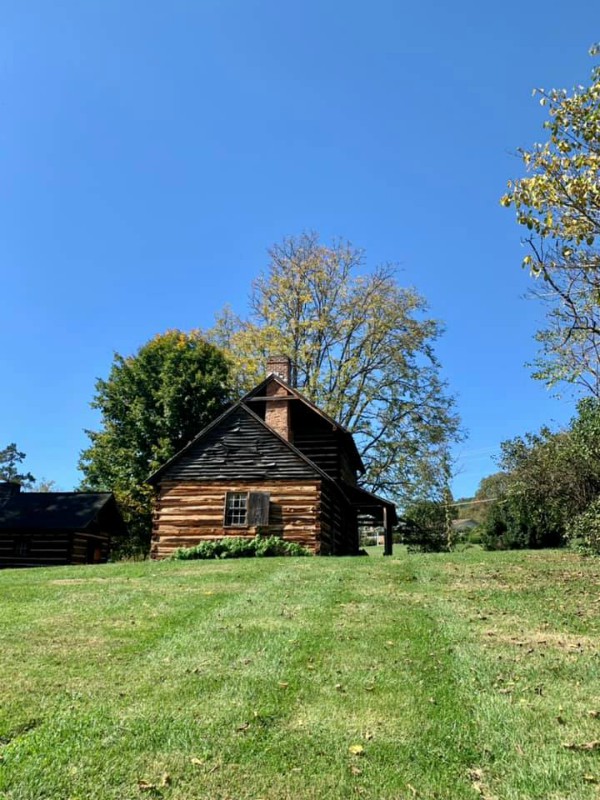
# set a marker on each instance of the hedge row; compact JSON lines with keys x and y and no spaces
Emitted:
{"x":237,"y":547}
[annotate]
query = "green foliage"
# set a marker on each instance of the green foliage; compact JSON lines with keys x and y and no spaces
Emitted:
{"x":474,"y":536}
{"x":363,"y":347}
{"x":548,"y":479}
{"x":151,"y":405}
{"x":558,"y":202}
{"x":427,"y":526}
{"x":507,"y":527}
{"x":239,"y":547}
{"x":10,"y":466}
{"x":583,"y":532}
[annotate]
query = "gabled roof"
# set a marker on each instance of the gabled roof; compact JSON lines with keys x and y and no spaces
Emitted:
{"x":258,"y":392}
{"x":48,"y":511}
{"x":215,"y":451}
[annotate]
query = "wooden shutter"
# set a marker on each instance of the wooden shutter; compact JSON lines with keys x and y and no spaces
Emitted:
{"x":258,"y":508}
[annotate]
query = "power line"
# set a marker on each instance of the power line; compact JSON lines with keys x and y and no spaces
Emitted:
{"x":474,"y":502}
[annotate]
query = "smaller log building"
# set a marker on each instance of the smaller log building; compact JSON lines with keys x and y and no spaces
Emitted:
{"x":54,"y":528}
{"x":272,"y":464}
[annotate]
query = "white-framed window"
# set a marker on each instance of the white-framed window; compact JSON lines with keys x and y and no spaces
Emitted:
{"x":246,"y":509}
{"x":236,"y":509}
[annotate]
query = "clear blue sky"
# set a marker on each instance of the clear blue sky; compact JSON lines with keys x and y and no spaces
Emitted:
{"x":151,"y":151}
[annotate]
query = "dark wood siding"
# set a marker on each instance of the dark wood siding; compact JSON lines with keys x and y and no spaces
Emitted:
{"x":339,"y":529}
{"x":323,"y":444}
{"x":316,"y":439}
{"x":89,"y":548}
{"x":321,"y":449}
{"x":30,"y":549}
{"x":187,"y":513}
{"x":239,"y":448}
{"x":347,"y":474}
{"x":36,"y":549}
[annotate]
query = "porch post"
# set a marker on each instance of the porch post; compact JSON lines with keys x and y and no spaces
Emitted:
{"x":387,"y":533}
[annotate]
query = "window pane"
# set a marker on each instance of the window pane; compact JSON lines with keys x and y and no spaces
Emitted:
{"x":236,"y":508}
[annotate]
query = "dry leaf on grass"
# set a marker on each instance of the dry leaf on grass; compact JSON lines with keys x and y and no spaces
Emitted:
{"x":356,"y":749}
{"x":583,"y":747}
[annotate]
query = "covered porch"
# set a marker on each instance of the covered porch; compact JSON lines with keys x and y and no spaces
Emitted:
{"x":372,"y":510}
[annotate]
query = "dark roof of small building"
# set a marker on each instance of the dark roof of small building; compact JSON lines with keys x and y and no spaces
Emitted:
{"x":48,"y":511}
{"x":464,"y":524}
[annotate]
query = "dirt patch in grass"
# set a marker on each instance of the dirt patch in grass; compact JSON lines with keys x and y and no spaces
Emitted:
{"x":75,"y":581}
{"x":546,"y":639}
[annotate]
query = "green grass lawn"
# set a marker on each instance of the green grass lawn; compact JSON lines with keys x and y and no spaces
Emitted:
{"x":462,"y":676}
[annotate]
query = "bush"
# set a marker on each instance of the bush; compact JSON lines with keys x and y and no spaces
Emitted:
{"x":584,"y":531}
{"x":239,"y":547}
{"x":507,"y":527}
{"x":474,"y":536}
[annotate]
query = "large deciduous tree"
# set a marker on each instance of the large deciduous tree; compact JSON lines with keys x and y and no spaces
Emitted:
{"x":151,"y":404}
{"x":558,"y":202}
{"x":363,"y":348}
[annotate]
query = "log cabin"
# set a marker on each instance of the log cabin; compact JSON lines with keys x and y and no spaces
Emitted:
{"x":272,"y":464}
{"x":56,"y":528}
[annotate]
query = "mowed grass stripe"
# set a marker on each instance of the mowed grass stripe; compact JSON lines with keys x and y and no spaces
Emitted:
{"x":459,"y":676}
{"x":526,"y":630}
{"x":260,"y":670}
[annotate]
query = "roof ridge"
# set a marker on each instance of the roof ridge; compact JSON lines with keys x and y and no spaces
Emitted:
{"x":70,"y":491}
{"x":300,"y":396}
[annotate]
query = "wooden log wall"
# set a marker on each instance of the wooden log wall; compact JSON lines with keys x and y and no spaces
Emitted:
{"x":51,"y":548}
{"x":187,"y":513}
{"x":42,"y":549}
{"x":84,"y":545}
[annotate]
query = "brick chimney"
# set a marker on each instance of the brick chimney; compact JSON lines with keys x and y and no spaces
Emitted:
{"x":277,"y":411}
{"x":280,"y":366}
{"x":8,"y":489}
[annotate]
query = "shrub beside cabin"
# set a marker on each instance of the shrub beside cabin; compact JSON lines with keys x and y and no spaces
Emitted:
{"x":273,"y":464}
{"x":53,"y":528}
